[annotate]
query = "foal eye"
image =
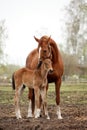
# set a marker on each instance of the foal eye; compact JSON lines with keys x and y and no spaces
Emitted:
{"x":46,"y":65}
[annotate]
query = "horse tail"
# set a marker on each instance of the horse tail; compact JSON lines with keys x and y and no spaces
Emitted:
{"x":13,"y":82}
{"x":33,"y":101}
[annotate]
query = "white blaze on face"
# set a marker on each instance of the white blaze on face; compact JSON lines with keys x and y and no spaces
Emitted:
{"x":39,"y":52}
{"x":49,"y":51}
{"x":18,"y":114}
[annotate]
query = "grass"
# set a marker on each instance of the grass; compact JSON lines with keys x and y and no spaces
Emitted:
{"x":75,"y":94}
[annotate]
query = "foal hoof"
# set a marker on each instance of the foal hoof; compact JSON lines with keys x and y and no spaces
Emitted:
{"x":19,"y":118}
{"x":37,"y":117}
{"x":48,"y":118}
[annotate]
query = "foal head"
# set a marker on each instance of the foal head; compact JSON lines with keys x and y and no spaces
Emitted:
{"x":44,"y":47}
{"x":46,"y":66}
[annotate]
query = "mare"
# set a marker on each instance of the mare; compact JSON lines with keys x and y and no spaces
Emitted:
{"x":47,"y":48}
{"x":34,"y":79}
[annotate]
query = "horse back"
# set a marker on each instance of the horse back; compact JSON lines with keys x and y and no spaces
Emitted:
{"x":23,"y":76}
{"x":32,"y":59}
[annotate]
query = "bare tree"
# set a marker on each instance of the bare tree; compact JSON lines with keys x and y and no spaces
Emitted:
{"x":76,"y":36}
{"x":77,"y":27}
{"x":3,"y":36}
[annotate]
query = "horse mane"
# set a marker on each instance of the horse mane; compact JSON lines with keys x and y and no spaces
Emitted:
{"x":55,"y":51}
{"x":39,"y":64}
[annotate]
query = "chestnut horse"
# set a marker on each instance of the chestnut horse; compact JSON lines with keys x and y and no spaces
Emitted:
{"x":47,"y":48}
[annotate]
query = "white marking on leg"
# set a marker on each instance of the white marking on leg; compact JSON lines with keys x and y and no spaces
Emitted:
{"x":17,"y":99}
{"x":18,"y":114}
{"x":46,"y":113}
{"x":59,"y":112}
{"x":29,"y":110}
{"x":37,"y":113}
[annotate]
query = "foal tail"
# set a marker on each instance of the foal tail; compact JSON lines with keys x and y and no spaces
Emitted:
{"x":13,"y":82}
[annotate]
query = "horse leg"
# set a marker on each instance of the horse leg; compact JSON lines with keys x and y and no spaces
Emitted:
{"x":31,"y":97}
{"x":41,"y":99}
{"x":44,"y":100}
{"x":57,"y":88}
{"x":37,"y":102}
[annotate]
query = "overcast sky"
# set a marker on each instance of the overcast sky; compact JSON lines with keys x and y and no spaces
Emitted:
{"x":26,"y":18}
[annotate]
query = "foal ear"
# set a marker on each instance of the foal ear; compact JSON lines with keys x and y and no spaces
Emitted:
{"x":36,"y":39}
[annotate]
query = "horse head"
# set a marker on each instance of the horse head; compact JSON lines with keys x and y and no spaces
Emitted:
{"x":44,"y":47}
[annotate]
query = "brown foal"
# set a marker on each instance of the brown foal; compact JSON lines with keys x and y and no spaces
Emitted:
{"x":34,"y":79}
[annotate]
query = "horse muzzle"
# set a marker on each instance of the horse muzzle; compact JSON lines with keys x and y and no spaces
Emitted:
{"x":50,"y":71}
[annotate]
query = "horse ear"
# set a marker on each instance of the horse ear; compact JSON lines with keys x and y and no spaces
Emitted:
{"x":49,"y":38}
{"x":36,"y":39}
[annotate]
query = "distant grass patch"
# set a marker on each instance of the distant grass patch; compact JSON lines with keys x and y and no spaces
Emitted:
{"x":7,"y":95}
{"x":75,"y":94}
{"x":70,"y":94}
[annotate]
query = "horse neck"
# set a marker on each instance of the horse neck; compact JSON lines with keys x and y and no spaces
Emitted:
{"x":41,"y":72}
{"x":55,"y":52}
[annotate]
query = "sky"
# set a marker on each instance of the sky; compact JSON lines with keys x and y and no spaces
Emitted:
{"x":25,"y":19}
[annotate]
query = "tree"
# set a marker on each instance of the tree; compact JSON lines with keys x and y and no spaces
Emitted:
{"x":76,"y":26}
{"x":3,"y":36}
{"x":76,"y":37}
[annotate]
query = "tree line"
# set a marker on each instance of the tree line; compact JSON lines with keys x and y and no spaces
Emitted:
{"x":75,"y":51}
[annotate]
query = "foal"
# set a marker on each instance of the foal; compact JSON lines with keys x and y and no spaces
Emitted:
{"x":34,"y":79}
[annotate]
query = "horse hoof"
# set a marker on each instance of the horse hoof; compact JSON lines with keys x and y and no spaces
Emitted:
{"x":37,"y":116}
{"x":48,"y":118}
{"x":60,"y":118}
{"x":30,"y":115}
{"x":19,"y":117}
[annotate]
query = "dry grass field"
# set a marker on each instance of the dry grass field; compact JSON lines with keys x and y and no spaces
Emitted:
{"x":73,"y":106}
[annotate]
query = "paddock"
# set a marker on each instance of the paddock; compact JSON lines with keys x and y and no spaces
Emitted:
{"x":73,"y":105}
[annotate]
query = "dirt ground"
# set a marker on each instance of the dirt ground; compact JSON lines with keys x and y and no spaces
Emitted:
{"x":74,"y":118}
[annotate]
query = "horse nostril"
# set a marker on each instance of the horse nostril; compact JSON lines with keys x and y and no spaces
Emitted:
{"x":50,"y":71}
{"x":44,"y":51}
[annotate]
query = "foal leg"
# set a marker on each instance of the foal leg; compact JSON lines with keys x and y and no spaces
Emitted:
{"x":29,"y":109}
{"x":44,"y":99}
{"x":31,"y":97}
{"x":18,"y":93}
{"x":17,"y":108}
{"x":37,"y":102}
{"x":57,"y":86}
